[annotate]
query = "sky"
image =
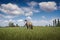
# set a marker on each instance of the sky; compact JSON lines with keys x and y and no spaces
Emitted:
{"x":40,"y":12}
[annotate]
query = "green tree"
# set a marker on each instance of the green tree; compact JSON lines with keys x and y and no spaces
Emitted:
{"x":55,"y":22}
{"x":11,"y":24}
{"x":58,"y":23}
{"x":17,"y":25}
{"x":49,"y":25}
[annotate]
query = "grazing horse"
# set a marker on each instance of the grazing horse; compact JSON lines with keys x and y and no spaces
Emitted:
{"x":28,"y":24}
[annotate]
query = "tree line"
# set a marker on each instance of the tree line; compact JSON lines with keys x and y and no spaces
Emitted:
{"x":56,"y":23}
{"x":11,"y":24}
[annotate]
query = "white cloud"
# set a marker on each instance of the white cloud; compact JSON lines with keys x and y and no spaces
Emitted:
{"x":28,"y":18}
{"x":11,"y":20}
{"x":29,"y":14}
{"x":1,"y":16}
{"x":8,"y":17}
{"x":3,"y":23}
{"x":11,"y":9}
{"x":32,"y":4}
{"x":40,"y":22}
{"x":27,"y":11}
{"x":48,"y":6}
{"x":20,"y":20}
{"x":43,"y":17}
{"x":59,"y":7}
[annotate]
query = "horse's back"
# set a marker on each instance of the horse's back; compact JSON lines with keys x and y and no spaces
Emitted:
{"x":29,"y":23}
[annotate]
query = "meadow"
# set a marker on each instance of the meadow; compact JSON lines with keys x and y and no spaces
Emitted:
{"x":37,"y":33}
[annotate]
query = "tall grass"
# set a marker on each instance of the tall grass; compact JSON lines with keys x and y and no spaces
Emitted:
{"x":37,"y":33}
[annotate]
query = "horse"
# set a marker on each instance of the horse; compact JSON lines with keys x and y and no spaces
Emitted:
{"x":28,"y":25}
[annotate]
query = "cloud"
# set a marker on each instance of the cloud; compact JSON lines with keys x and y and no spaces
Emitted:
{"x":3,"y":23}
{"x":27,"y":11}
{"x":40,"y":22}
{"x":43,"y":17}
{"x":48,"y":6}
{"x":32,"y":4}
{"x":28,"y":18}
{"x":11,"y":9}
{"x":59,"y":7}
{"x":20,"y":20}
{"x":7,"y":16}
{"x":1,"y":16}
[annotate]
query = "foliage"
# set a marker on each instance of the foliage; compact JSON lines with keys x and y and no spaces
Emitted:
{"x":56,"y":23}
{"x":11,"y":24}
{"x":17,"y":25}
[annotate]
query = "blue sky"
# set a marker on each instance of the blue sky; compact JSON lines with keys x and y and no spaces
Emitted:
{"x":40,"y":12}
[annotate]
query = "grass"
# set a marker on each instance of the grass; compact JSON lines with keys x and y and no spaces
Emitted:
{"x":38,"y":33}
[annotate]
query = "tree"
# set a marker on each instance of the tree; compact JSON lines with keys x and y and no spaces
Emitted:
{"x":49,"y":25}
{"x":11,"y":24}
{"x":53,"y":23}
{"x":58,"y":23}
{"x":17,"y":25}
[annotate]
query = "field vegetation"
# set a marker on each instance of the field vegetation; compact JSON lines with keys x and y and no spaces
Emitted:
{"x":37,"y":33}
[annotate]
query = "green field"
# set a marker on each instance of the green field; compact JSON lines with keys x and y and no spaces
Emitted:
{"x":37,"y":33}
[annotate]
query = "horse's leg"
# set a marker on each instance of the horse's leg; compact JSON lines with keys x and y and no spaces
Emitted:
{"x":31,"y":27}
{"x":27,"y":27}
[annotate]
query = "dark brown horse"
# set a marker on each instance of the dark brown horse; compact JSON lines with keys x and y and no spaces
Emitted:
{"x":28,"y":25}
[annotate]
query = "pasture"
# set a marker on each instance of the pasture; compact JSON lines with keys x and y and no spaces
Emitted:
{"x":37,"y":33}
